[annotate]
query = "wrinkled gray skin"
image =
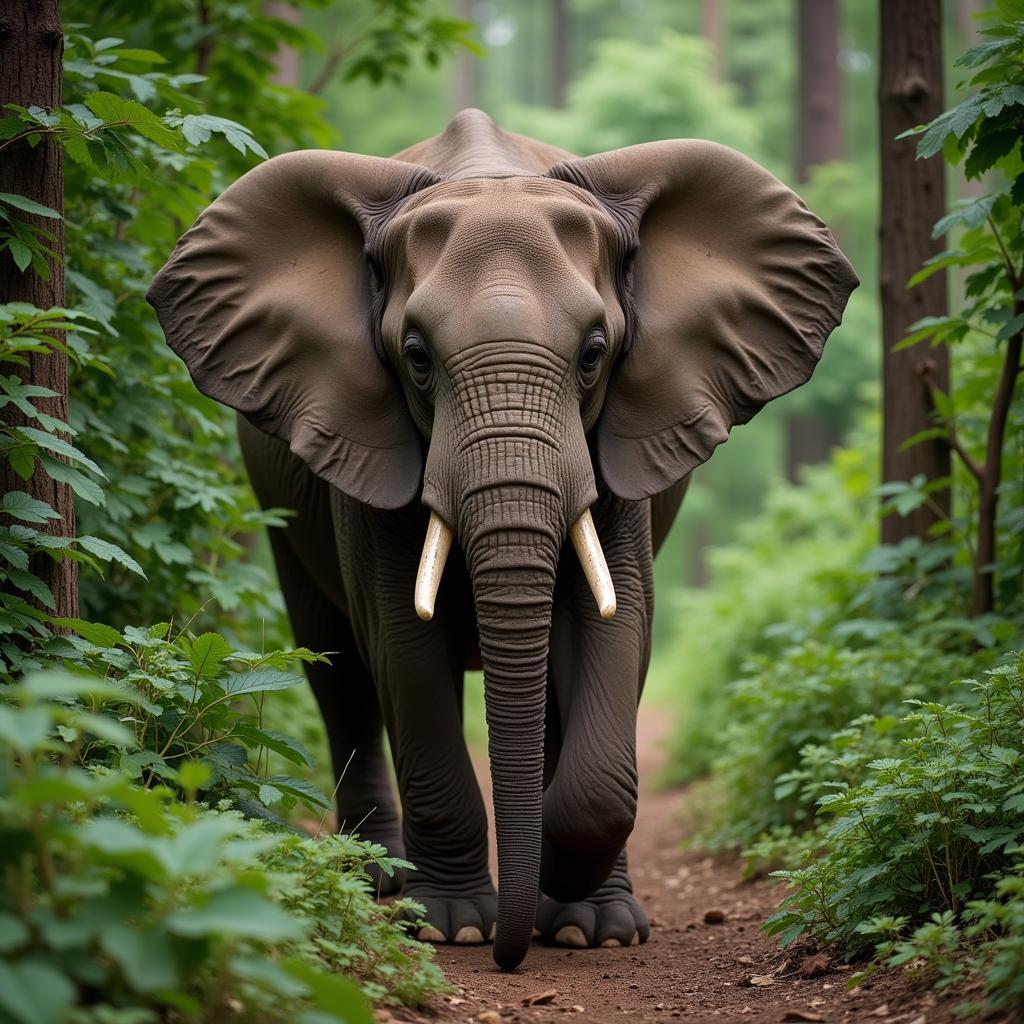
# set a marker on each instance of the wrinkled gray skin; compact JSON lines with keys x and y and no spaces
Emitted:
{"x":500,"y":275}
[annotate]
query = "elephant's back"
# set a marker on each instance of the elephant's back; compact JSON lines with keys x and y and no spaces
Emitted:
{"x":473,"y":146}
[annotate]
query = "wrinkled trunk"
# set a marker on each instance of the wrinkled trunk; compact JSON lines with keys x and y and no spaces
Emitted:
{"x":512,"y":535}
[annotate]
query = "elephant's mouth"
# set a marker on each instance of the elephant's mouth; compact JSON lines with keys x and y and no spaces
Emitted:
{"x":438,"y":543}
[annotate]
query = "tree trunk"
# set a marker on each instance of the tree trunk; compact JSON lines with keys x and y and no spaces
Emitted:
{"x":712,"y":28}
{"x":809,"y":438}
{"x":286,"y":60}
{"x":913,"y":199}
{"x":31,"y":47}
{"x":467,"y":83}
{"x":560,"y":52}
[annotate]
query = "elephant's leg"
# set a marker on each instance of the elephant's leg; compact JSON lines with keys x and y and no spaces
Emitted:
{"x":597,"y":671}
{"x":418,"y":669}
{"x":443,"y":816}
{"x":350,"y":709}
{"x":612,"y":916}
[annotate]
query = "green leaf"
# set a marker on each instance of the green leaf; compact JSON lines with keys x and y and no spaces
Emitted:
{"x":147,"y":958}
{"x":13,"y":933}
{"x":26,"y":508}
{"x":96,"y":633}
{"x":60,"y":447}
{"x":20,"y":253}
{"x":29,"y":206}
{"x":259,"y":681}
{"x":33,"y":992}
{"x":206,"y":653}
{"x":84,"y":487}
{"x":33,"y":585}
{"x":110,"y":553}
{"x":305,"y":791}
{"x":332,"y":992}
{"x":286,"y":746}
{"x":236,"y":911}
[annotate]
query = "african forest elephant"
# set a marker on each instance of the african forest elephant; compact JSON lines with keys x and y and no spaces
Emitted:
{"x":523,"y":348}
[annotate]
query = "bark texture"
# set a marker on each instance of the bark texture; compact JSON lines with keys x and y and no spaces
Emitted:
{"x":31,"y":47}
{"x":913,"y":199}
{"x":712,"y":28}
{"x":809,"y":438}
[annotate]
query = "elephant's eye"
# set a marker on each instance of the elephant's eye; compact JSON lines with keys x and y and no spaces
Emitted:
{"x":417,"y":355}
{"x":592,"y":354}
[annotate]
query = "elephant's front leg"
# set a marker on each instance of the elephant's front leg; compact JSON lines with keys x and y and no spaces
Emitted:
{"x":417,"y":668}
{"x":597,"y":668}
{"x":444,"y":823}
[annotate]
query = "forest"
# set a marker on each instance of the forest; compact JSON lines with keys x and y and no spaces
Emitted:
{"x":831,"y":736}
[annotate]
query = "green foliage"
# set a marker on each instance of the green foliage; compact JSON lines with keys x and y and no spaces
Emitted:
{"x":191,"y":699}
{"x":634,"y":92}
{"x":981,"y":420}
{"x":127,"y":904}
{"x":921,"y":855}
{"x":39,"y":443}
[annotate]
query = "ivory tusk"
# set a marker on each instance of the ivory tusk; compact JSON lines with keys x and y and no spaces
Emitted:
{"x":595,"y":568}
{"x":436,"y":546}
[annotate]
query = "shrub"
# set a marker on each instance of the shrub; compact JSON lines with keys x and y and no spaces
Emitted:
{"x":922,"y":857}
{"x":127,"y":904}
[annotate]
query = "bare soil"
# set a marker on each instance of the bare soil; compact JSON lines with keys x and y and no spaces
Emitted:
{"x":706,"y":959}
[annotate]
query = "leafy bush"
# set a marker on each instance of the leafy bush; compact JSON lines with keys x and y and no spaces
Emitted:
{"x":923,"y":852}
{"x":118,"y":897}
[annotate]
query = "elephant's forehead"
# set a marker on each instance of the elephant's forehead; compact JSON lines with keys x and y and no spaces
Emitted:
{"x":534,"y":226}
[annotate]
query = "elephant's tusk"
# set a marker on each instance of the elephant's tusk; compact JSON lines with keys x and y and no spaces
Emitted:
{"x":436,"y":546}
{"x":595,"y":568}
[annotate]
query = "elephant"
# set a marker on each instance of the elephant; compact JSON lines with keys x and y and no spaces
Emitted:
{"x":520,"y":355}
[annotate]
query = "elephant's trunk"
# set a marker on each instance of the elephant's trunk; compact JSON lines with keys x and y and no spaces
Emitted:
{"x":512,"y":535}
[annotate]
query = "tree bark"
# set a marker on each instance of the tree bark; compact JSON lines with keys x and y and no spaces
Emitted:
{"x":286,"y":60}
{"x":466,"y":84}
{"x":809,"y":438}
{"x":913,"y":199}
{"x":712,"y":28}
{"x":560,"y":52}
{"x":31,"y":48}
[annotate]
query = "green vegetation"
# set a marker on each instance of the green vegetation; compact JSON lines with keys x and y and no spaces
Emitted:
{"x":151,"y":870}
{"x":128,"y":898}
{"x":868,"y":705}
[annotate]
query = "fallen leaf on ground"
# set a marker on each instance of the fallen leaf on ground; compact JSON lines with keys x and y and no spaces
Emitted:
{"x":714,"y":917}
{"x":815,"y":966}
{"x":758,"y":980}
{"x":744,"y":959}
{"x":489,"y":1017}
{"x":540,"y":998}
{"x":578,"y":1009}
{"x":880,"y":1011}
{"x":801,"y":1015}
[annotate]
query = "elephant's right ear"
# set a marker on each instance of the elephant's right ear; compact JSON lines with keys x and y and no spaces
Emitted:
{"x":267,"y":299}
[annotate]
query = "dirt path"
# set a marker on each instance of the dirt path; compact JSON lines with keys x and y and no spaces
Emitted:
{"x":705,"y":949}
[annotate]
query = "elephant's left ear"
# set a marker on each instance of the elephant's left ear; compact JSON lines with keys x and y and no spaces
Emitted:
{"x":735,"y":287}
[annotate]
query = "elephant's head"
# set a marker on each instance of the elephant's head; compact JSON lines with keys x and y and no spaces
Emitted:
{"x":471,"y":342}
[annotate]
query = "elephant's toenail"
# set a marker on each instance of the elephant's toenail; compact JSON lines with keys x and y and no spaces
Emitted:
{"x":469,"y":935}
{"x":430,"y":934}
{"x":609,"y":943}
{"x":537,"y":933}
{"x":635,"y":941}
{"x":571,"y":935}
{"x":494,"y":931}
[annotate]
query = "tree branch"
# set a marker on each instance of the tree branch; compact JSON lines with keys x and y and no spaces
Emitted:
{"x":926,"y":369}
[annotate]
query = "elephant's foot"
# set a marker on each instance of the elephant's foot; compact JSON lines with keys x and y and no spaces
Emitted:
{"x":465,"y":918}
{"x":613,"y":916}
